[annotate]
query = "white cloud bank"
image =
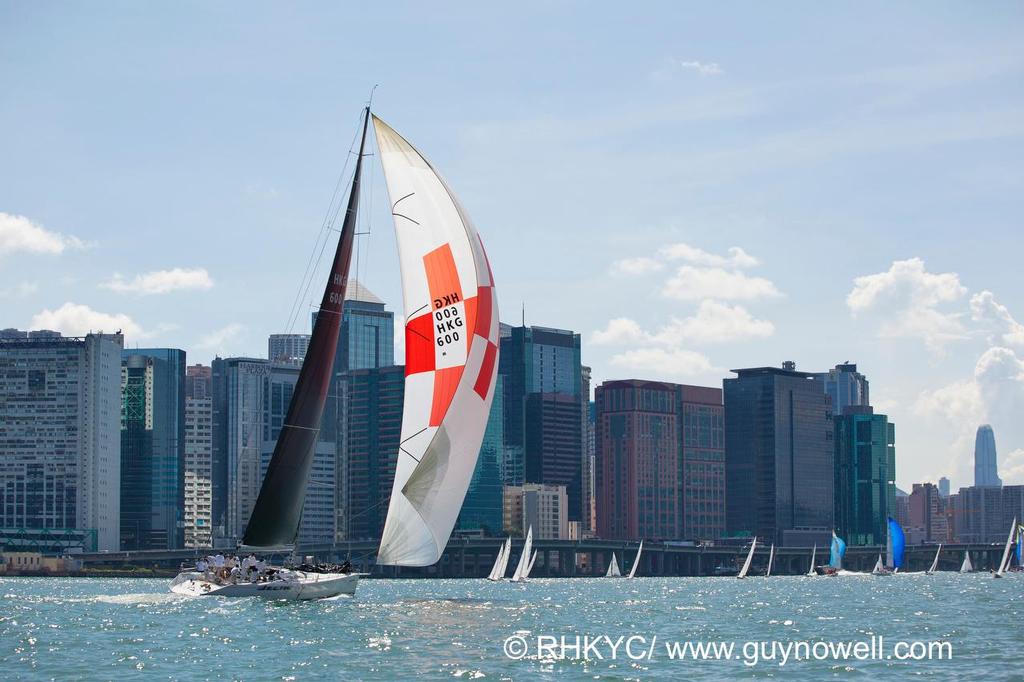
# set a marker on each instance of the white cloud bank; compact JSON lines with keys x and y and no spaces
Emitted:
{"x":161,"y":282}
{"x":714,"y":322}
{"x":74,"y":319}
{"x":218,"y":339}
{"x":18,"y":234}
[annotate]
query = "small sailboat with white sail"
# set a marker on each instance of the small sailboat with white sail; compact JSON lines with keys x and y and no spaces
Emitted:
{"x":636,"y":561}
{"x":533,"y":560}
{"x":746,"y":564}
{"x":613,"y":568}
{"x":967,"y":566}
{"x":771,"y":560}
{"x":935,"y":562}
{"x":1004,"y":563}
{"x":880,"y":568}
{"x":501,"y":561}
{"x":810,"y":571}
{"x":522,"y":571}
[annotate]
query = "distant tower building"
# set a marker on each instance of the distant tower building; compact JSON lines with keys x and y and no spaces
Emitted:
{"x":986,"y":472}
{"x":371,"y":402}
{"x":944,"y":486}
{"x":845,"y":385}
{"x":60,"y":441}
{"x":865,"y":475}
{"x":927,"y":513}
{"x":541,"y":507}
{"x":780,"y":456}
{"x":152,"y":448}
{"x":482,"y":508}
{"x":586,"y":453}
{"x":198,"y":456}
{"x":367,"y":337}
{"x":287,"y":349}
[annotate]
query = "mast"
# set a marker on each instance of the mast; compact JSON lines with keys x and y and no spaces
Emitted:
{"x":275,"y":518}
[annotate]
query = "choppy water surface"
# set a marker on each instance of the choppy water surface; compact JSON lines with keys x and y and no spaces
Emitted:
{"x":123,"y":628}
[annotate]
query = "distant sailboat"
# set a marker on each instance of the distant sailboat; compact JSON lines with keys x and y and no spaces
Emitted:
{"x":1004,"y":563}
{"x":935,"y":561}
{"x":523,"y":567}
{"x":771,"y":558}
{"x":879,"y":568}
{"x":895,"y":546}
{"x":746,"y":564}
{"x":636,"y":561}
{"x":835,"y":555}
{"x":501,"y":561}
{"x":613,"y":568}
{"x":811,"y":571}
{"x":533,"y":560}
{"x":967,"y":566}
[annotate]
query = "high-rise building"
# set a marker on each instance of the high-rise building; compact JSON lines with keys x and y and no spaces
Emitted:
{"x":287,"y":349}
{"x":927,"y":513}
{"x":482,"y":508}
{"x":984,"y":513}
{"x":865,"y":475}
{"x":541,"y":507}
{"x":60,"y":439}
{"x":258,"y":394}
{"x":586,"y":456}
{"x":219,"y":456}
{"x":554,"y":447}
{"x":944,"y":486}
{"x":152,"y":448}
{"x":367,"y":337}
{"x":590,"y":474}
{"x":541,"y":360}
{"x":986,"y":472}
{"x":659,"y":461}
{"x":846,"y":386}
{"x":779,"y":456}
{"x":198,"y":510}
{"x":371,"y":403}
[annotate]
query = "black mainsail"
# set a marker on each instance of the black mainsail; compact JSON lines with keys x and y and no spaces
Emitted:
{"x":275,"y":518}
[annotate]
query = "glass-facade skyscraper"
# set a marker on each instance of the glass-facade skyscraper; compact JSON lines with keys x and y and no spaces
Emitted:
{"x":482,"y":508}
{"x":986,"y":471}
{"x":845,"y":386}
{"x":865,"y":475}
{"x":779,"y":456}
{"x":152,"y":448}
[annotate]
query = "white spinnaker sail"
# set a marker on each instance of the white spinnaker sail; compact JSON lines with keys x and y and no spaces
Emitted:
{"x":967,"y":566}
{"x":523,"y":567}
{"x":501,"y":561}
{"x":771,"y":558}
{"x":451,"y":354}
{"x":814,"y":551}
{"x":935,"y":561}
{"x":1004,"y":563}
{"x":636,"y":561}
{"x":750,"y":557}
{"x":613,"y":568}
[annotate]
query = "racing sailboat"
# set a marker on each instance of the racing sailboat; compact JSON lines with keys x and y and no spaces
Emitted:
{"x":835,"y":556}
{"x":771,"y":560}
{"x":522,"y":571}
{"x":501,"y":561}
{"x":750,"y":557}
{"x":1005,"y":562}
{"x":810,"y":571}
{"x":967,"y":566}
{"x":613,"y":568}
{"x":935,"y":561}
{"x":636,"y":561}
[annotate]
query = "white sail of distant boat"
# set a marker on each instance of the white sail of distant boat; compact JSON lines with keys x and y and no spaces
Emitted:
{"x":811,"y":571}
{"x":533,"y":560}
{"x":879,"y":568}
{"x":501,"y":561}
{"x":451,"y":354}
{"x":771,"y":558}
{"x":613,"y":568}
{"x":522,"y":568}
{"x":636,"y":561}
{"x":967,"y":566}
{"x":1004,"y":563}
{"x":935,"y":561}
{"x":750,"y":557}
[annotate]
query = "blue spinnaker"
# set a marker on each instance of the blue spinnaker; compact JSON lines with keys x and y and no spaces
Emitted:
{"x":1020,"y":543}
{"x":838,"y":549}
{"x":897,"y":542}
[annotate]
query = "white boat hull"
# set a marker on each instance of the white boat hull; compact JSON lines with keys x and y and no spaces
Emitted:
{"x":300,"y":586}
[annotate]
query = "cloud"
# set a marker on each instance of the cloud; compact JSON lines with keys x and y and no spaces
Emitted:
{"x":20,"y":290}
{"x":714,"y":322}
{"x":219,"y":338}
{"x":73,"y":319}
{"x":909,"y":296}
{"x":18,"y":234}
{"x":673,"y":66}
{"x":161,"y":282}
{"x":693,"y":284}
{"x":737,"y":258}
{"x":665,"y":362}
{"x":636,"y":266}
{"x":985,"y":309}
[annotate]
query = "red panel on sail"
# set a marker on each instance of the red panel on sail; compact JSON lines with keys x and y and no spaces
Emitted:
{"x":484,"y":306}
{"x":445,"y":382}
{"x":483,"y":380}
{"x":419,"y":345}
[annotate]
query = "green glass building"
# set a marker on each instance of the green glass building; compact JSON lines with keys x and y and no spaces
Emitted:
{"x":865,"y":477}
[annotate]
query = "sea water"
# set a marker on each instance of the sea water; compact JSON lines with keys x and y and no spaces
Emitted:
{"x":594,"y":628}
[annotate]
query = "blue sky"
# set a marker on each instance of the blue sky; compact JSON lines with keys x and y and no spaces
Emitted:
{"x":693,"y":188}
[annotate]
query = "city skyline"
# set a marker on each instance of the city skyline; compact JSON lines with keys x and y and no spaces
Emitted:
{"x":889,"y":177}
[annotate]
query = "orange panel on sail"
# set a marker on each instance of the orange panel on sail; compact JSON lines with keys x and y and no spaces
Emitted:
{"x":442,"y":277}
{"x":419,"y":345}
{"x":445,"y":382}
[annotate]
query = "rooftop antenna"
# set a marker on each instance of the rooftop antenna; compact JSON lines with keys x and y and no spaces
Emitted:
{"x":524,"y":313}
